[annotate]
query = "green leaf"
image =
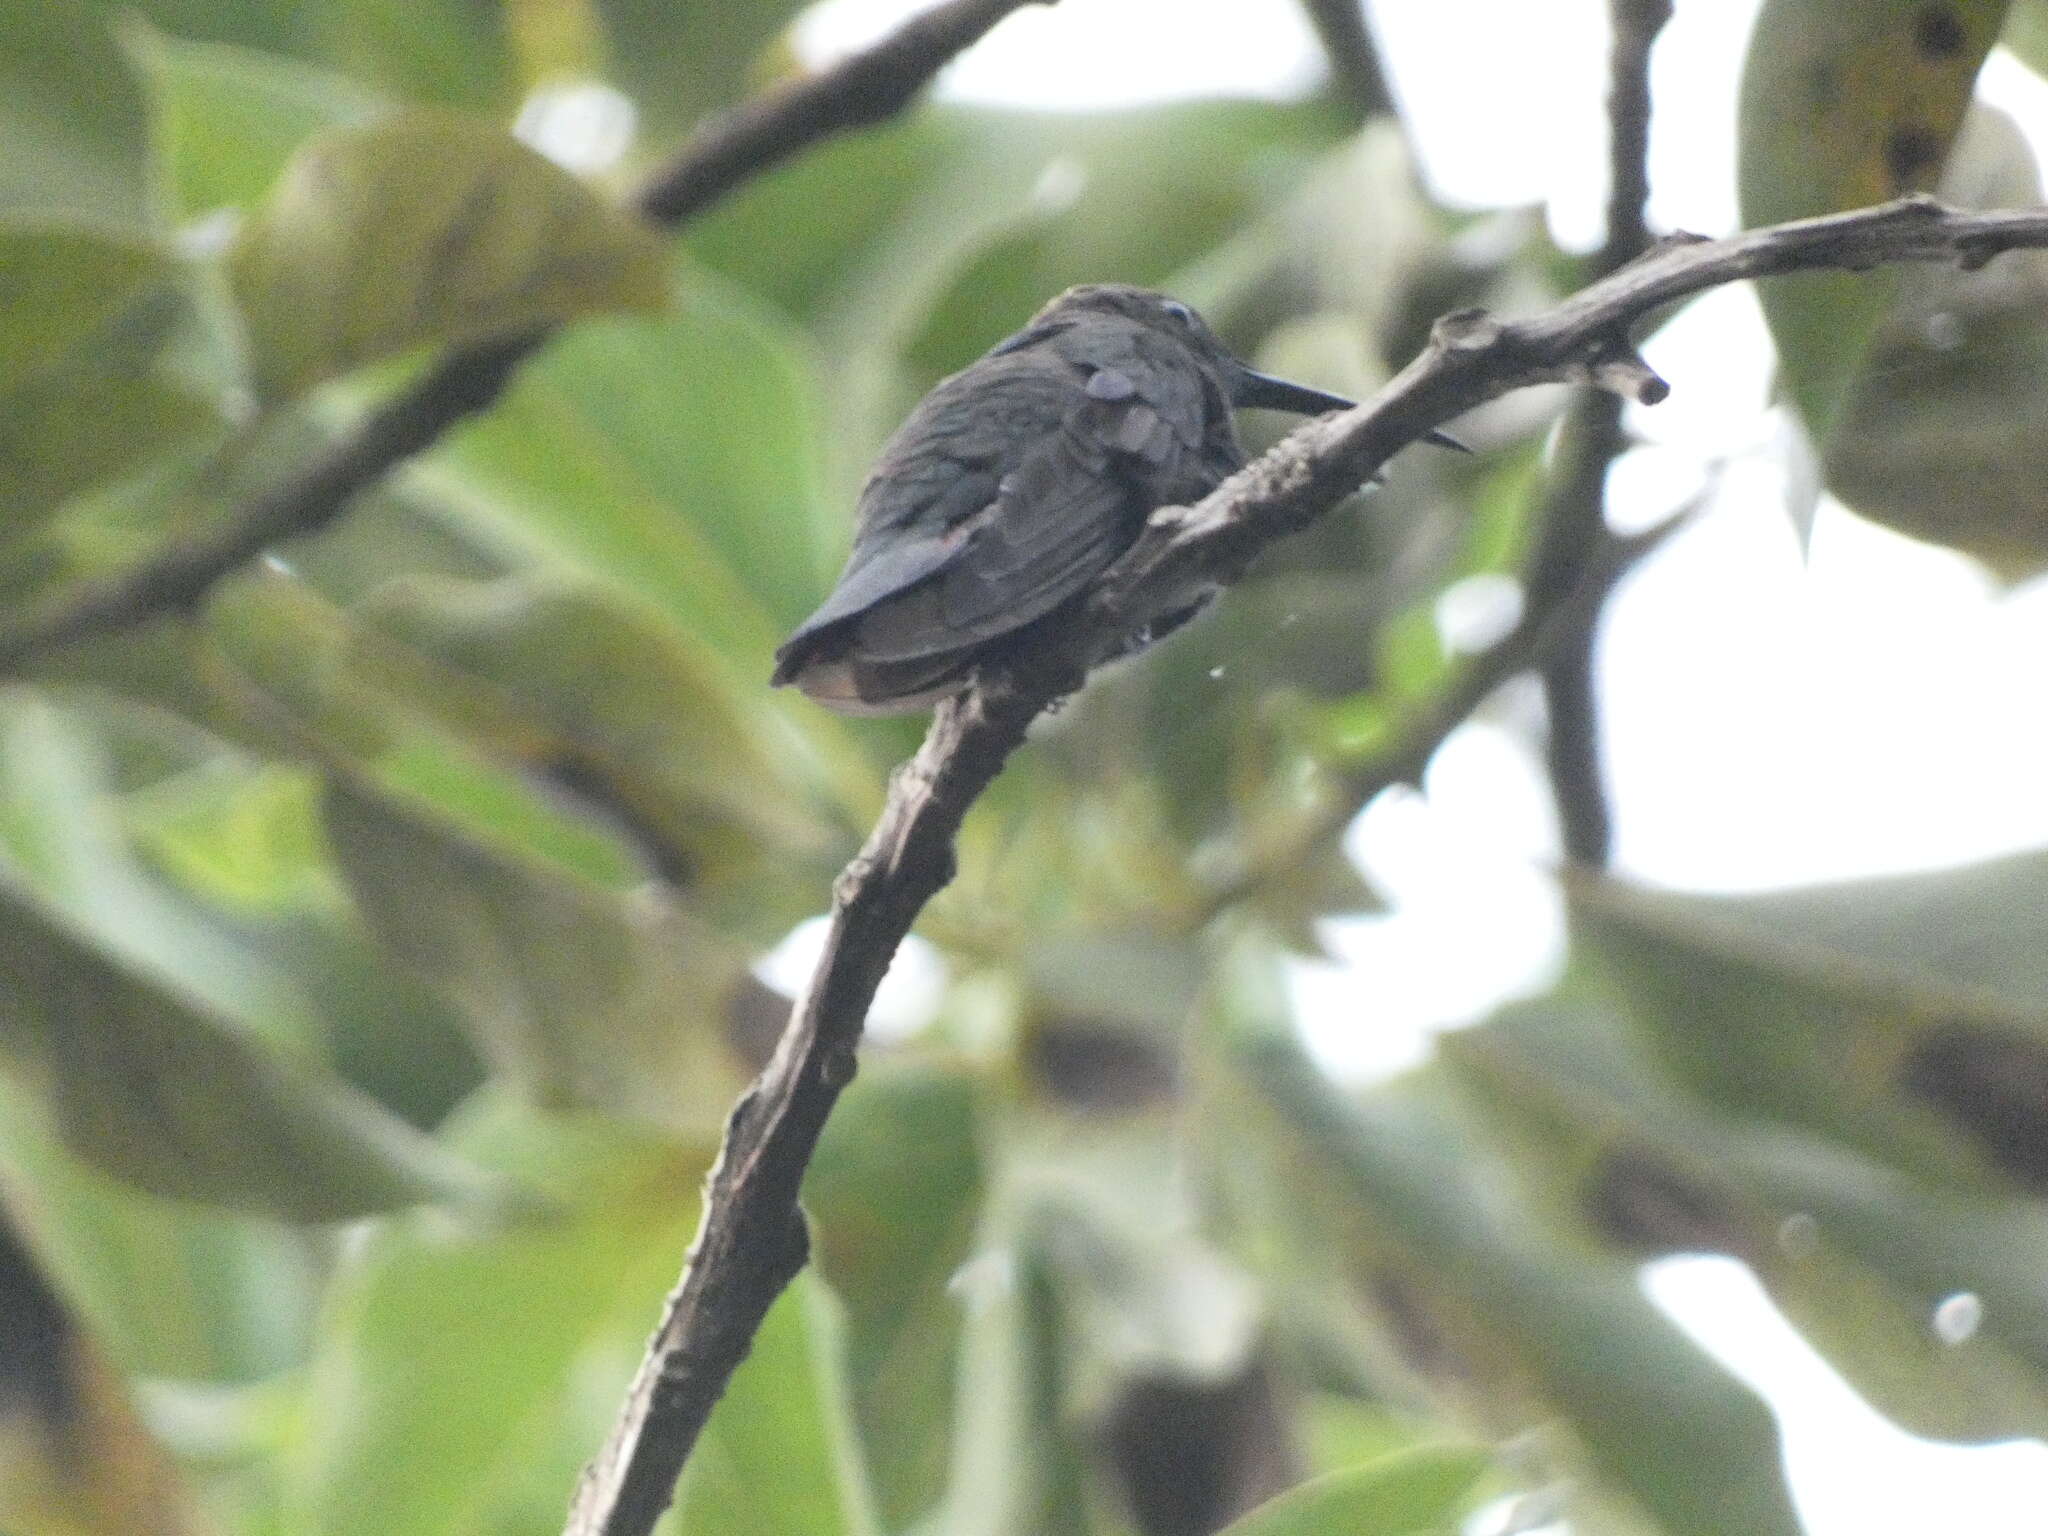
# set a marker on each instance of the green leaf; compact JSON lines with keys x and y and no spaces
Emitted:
{"x":168,"y":1289}
{"x":82,"y":399}
{"x":1970,"y":927}
{"x":1421,"y":1492}
{"x":1020,"y":1467}
{"x":824,"y":212}
{"x":1847,"y":103}
{"x":585,"y":685}
{"x":73,"y":118}
{"x":172,"y":1087}
{"x":425,"y":227}
{"x":580,"y":994}
{"x":711,"y":516}
{"x":246,"y":840}
{"x":1858,"y":1257}
{"x":579,"y":976}
{"x":894,"y":1196}
{"x":172,"y":1097}
{"x":681,"y":65}
{"x":60,"y":286}
{"x":1399,"y":1197}
{"x":1411,"y":654}
{"x":63,"y":435}
{"x":450,"y":1355}
{"x":276,"y":26}
{"x":452,"y":51}
{"x":229,"y":119}
{"x":913,"y":248}
{"x":1784,"y":1008}
{"x":2026,"y":33}
{"x":675,"y":458}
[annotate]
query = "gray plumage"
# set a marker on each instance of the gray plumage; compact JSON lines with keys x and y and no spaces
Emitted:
{"x":1016,"y":482}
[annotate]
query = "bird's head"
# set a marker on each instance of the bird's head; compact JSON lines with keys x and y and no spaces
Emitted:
{"x":1242,"y":384}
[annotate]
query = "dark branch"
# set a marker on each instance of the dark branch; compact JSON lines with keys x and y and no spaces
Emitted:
{"x":1636,"y":25}
{"x":728,"y":150}
{"x":1573,"y":517}
{"x":1575,"y":502}
{"x":463,"y":382}
{"x":868,"y":88}
{"x":750,"y":1242}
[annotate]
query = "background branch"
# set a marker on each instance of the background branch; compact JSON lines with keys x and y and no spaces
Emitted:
{"x":726,"y":151}
{"x":1575,"y":504}
{"x":1533,"y":638}
{"x":1354,"y":62}
{"x":751,"y":1240}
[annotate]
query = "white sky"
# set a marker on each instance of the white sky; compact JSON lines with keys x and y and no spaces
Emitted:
{"x":1772,"y":718}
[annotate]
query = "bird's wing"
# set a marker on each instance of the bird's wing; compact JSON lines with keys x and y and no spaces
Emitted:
{"x":1069,"y":506}
{"x":883,"y":565}
{"x":1009,"y":487}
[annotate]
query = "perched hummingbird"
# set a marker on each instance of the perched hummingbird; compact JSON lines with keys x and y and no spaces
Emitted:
{"x":1017,"y":481}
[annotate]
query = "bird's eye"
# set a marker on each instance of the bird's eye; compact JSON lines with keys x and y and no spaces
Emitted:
{"x":1179,"y":311}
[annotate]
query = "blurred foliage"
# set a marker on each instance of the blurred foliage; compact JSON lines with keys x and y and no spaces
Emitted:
{"x":413,"y":882}
{"x":1922,"y":388}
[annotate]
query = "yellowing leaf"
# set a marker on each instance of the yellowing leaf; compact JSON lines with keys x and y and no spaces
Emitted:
{"x":425,"y":227}
{"x":1847,"y":103}
{"x":1943,"y":432}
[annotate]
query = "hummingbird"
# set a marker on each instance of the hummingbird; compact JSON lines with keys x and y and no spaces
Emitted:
{"x":1017,"y":481}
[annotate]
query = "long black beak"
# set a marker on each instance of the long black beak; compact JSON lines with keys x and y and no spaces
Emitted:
{"x":1250,"y":387}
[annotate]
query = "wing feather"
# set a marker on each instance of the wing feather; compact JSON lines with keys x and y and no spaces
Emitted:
{"x":1060,"y":518}
{"x":1010,"y":487}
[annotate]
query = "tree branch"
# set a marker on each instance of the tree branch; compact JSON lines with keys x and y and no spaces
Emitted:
{"x":726,"y":151}
{"x":751,"y":1239}
{"x":1474,"y":357}
{"x":1575,"y":506}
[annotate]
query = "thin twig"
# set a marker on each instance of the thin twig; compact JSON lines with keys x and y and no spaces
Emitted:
{"x":726,"y":151}
{"x":750,"y":1242}
{"x":1575,"y":502}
